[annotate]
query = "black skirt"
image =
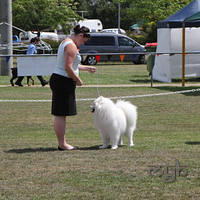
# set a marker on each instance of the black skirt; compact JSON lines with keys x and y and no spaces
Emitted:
{"x":63,"y":95}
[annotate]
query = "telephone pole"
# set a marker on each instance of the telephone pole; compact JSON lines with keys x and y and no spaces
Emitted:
{"x":5,"y":36}
{"x":119,"y":18}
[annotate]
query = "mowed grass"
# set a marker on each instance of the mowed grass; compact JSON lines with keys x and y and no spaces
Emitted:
{"x":167,"y":131}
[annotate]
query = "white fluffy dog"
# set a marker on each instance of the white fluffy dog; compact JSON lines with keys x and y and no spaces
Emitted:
{"x":113,"y":120}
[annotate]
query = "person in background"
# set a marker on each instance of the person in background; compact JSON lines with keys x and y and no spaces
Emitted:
{"x":64,"y":80}
{"x":32,"y":49}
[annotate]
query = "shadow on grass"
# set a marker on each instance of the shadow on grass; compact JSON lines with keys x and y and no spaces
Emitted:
{"x":40,"y":149}
{"x":194,"y":79}
{"x":192,"y":143}
{"x":31,"y":150}
{"x":47,"y":149}
{"x":142,"y":79}
{"x":96,"y":147}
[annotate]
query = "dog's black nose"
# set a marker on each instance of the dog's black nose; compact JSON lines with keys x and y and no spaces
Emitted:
{"x":93,"y":109}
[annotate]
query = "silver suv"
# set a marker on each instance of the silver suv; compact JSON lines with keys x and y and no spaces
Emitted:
{"x":112,"y":43}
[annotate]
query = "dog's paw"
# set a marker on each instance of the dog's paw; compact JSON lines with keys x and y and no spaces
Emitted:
{"x":103,"y":147}
{"x":131,"y":145}
{"x":114,"y":147}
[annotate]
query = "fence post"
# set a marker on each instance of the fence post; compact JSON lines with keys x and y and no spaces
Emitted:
{"x":183,"y":54}
{"x":5,"y":36}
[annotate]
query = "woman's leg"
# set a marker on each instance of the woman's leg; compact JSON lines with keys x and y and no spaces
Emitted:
{"x":60,"y":127}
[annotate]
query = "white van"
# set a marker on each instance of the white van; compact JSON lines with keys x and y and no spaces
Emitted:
{"x":94,"y":25}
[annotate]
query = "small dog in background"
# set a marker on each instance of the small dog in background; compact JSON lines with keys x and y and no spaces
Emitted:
{"x":14,"y":76}
{"x":113,"y":120}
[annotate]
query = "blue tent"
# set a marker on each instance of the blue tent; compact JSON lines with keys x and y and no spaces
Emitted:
{"x":183,"y":15}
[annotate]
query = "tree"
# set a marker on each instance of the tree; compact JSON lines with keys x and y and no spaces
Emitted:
{"x":156,"y":10}
{"x":105,"y":10}
{"x":150,"y":12}
{"x":42,"y":15}
{"x":83,"y":5}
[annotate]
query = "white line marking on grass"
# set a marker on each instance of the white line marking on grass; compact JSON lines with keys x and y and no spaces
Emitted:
{"x":92,"y":99}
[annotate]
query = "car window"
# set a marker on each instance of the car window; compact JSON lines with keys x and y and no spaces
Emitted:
{"x":123,"y":41}
{"x":101,"y":41}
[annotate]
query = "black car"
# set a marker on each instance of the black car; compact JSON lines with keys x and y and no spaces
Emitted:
{"x":112,"y":43}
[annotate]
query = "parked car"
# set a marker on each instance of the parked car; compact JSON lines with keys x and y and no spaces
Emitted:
{"x":112,"y":43}
{"x":114,"y":30}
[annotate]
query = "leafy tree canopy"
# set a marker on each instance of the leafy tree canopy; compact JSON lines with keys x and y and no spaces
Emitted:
{"x":150,"y":12}
{"x":153,"y":11}
{"x":43,"y":14}
{"x":132,"y":11}
{"x":47,"y":14}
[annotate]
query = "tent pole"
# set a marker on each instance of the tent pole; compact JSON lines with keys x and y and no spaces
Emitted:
{"x":183,"y":54}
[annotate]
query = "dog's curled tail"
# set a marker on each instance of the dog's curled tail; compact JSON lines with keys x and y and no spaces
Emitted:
{"x":129,"y":110}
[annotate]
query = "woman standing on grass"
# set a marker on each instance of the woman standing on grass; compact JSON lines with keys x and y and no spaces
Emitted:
{"x":64,"y":80}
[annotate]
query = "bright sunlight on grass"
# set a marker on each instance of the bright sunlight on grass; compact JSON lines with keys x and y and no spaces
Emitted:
{"x":167,"y":138}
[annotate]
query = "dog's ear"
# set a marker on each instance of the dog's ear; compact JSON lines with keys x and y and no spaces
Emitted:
{"x":100,"y":99}
{"x":98,"y":102}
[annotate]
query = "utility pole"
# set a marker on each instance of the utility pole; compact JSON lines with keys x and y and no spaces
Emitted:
{"x":119,"y":18}
{"x":82,"y":11}
{"x":5,"y":36}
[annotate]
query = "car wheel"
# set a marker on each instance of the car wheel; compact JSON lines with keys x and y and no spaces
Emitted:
{"x":142,"y":59}
{"x":91,"y":60}
{"x":139,"y":59}
{"x":136,"y":59}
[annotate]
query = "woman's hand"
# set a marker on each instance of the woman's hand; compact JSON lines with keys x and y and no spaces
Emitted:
{"x":87,"y":68}
{"x":79,"y":82}
{"x":92,"y":69}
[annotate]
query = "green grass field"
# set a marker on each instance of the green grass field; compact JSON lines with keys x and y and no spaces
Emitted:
{"x":168,"y":132}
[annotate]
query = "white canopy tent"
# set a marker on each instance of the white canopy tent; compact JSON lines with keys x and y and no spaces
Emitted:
{"x":169,"y":65}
